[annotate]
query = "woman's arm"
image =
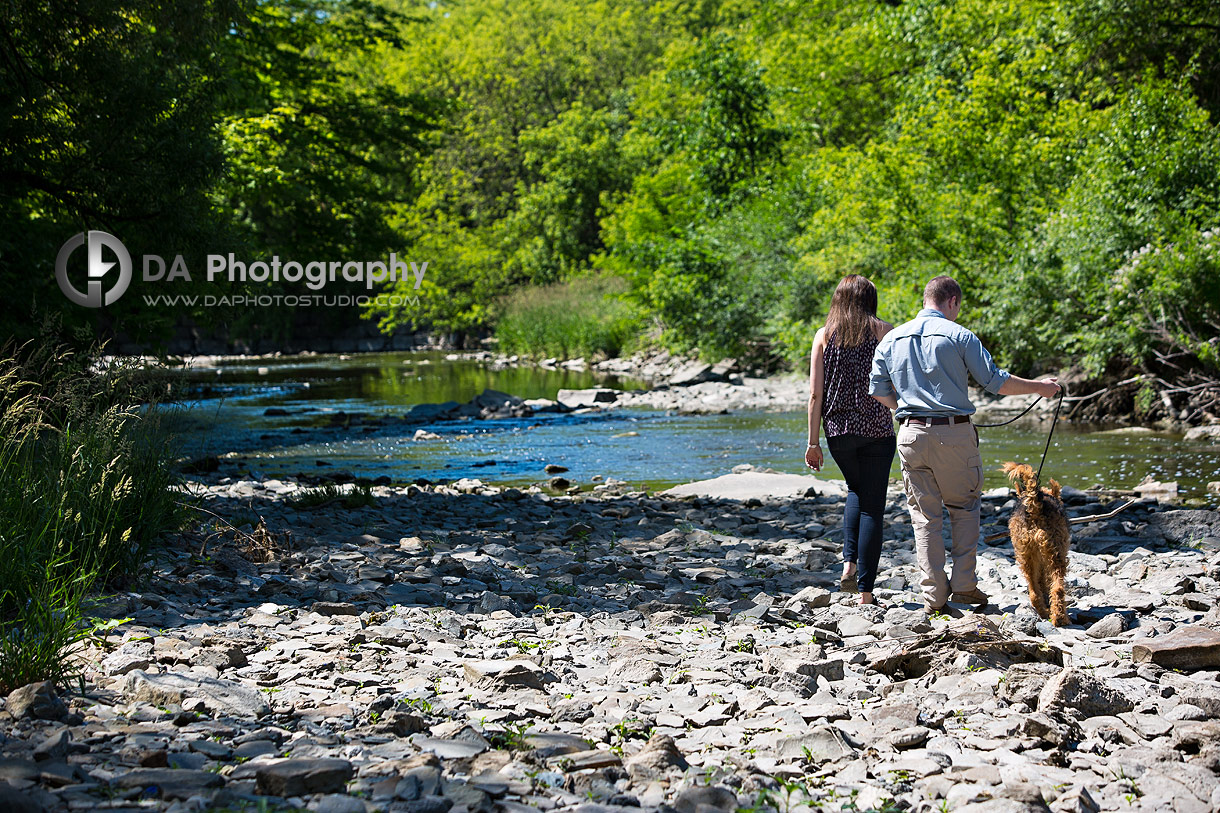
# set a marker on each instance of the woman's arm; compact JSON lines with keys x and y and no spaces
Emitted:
{"x":813,"y":453}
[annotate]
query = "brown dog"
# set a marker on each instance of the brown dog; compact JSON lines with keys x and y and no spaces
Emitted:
{"x":1040,"y":537}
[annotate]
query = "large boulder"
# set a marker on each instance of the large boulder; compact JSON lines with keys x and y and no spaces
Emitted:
{"x":1184,"y":526}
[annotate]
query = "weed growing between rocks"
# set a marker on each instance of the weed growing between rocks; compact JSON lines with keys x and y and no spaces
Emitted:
{"x":85,"y":491}
{"x":358,"y":496}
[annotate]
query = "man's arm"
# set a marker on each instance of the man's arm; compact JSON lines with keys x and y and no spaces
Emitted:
{"x":886,"y":401}
{"x":1015,"y":385}
{"x":879,"y":384}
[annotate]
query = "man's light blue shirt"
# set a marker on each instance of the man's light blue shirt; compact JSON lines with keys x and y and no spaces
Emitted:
{"x":925,"y":362}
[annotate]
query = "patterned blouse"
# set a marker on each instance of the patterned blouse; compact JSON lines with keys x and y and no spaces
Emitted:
{"x":847,"y":408}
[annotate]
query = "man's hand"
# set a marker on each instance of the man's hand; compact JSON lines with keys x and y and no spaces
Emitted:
{"x":1049,"y":387}
{"x":813,"y":457}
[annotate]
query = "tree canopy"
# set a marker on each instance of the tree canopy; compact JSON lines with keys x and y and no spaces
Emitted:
{"x":717,"y":164}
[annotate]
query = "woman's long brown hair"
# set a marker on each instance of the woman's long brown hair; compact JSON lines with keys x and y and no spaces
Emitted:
{"x":853,"y":311}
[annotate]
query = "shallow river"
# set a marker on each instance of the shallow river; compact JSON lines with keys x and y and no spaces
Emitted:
{"x":644,"y":447}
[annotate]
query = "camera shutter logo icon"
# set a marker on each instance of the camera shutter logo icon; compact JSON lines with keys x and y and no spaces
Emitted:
{"x":98,"y":269}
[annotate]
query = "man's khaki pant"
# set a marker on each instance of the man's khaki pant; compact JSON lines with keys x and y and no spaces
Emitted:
{"x":941,"y":467}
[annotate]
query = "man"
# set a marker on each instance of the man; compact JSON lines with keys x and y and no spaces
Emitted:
{"x":920,"y":369}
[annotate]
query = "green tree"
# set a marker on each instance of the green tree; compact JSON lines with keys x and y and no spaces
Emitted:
{"x":106,"y":122}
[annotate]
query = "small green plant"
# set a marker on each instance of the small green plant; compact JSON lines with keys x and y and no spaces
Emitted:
{"x":700,"y":606}
{"x":563,"y":588}
{"x":513,"y":737}
{"x":360,"y":496}
{"x":419,"y":704}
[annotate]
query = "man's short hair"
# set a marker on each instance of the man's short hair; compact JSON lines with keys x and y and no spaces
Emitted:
{"x":941,"y":289}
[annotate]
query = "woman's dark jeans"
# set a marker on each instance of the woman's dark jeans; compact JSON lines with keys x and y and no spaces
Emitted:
{"x":865,"y":463}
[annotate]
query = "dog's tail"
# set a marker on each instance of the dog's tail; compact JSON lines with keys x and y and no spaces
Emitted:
{"x":1026,"y":483}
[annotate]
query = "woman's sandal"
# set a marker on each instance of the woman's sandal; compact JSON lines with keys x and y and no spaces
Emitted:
{"x":849,"y":584}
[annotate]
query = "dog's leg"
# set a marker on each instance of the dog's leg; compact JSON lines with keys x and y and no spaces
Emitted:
{"x":1035,"y":577}
{"x":1059,"y":614}
{"x":1037,"y":598}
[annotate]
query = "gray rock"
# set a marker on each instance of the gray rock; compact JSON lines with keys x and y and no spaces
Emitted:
{"x":634,"y":671}
{"x":912,"y":737}
{"x":578,"y":399}
{"x":820,"y":744}
{"x":1186,"y":711}
{"x":56,"y":745}
{"x":811,"y":597}
{"x":451,"y":749}
{"x":854,"y":625}
{"x":18,"y":771}
{"x":1075,"y":800}
{"x":218,"y":696}
{"x":36,"y":701}
{"x":1203,"y":694}
{"x":492,"y":602}
{"x":498,"y":675}
{"x":1023,"y":682}
{"x":1108,"y":627}
{"x":333,"y":608}
{"x":694,"y":372}
{"x":1184,"y":526}
{"x":17,"y":801}
{"x":592,"y":759}
{"x":1186,"y":648}
{"x":186,"y":760}
{"x":1078,"y":691}
{"x":128,"y":657}
{"x":338,"y":803}
{"x":299,"y":777}
{"x":429,"y":804}
{"x":169,"y":783}
{"x":656,"y":758}
{"x":700,"y":798}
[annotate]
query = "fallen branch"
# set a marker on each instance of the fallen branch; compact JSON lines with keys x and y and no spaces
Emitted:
{"x":1075,"y":520}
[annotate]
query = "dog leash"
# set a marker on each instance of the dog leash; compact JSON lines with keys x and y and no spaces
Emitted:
{"x":1049,"y":435}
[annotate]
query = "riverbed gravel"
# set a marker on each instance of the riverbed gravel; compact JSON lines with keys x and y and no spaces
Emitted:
{"x":470,"y":648}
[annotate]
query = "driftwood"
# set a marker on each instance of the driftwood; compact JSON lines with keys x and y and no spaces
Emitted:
{"x":975,"y":635}
{"x":1073,"y":521}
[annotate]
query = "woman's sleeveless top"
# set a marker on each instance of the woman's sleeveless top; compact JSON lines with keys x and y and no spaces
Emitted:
{"x":847,"y":408}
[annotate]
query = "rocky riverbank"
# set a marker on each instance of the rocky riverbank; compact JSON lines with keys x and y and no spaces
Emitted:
{"x":468,"y":648}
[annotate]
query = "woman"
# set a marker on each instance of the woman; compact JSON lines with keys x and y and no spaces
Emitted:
{"x":859,"y":430}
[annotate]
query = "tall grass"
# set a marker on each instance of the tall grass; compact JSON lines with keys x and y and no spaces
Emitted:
{"x":586,"y":316}
{"x":85,"y":491}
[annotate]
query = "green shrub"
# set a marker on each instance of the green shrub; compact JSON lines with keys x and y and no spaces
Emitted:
{"x":583,"y":317}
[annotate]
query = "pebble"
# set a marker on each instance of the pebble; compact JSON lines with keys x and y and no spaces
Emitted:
{"x":460,"y":649}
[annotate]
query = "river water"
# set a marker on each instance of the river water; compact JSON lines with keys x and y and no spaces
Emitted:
{"x":226,"y":409}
